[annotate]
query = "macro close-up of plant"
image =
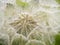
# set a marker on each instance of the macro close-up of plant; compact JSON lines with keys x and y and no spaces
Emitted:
{"x":29,"y":22}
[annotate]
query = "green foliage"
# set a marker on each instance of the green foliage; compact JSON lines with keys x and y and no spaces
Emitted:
{"x":22,"y":4}
{"x":58,"y":1}
{"x":19,"y":40}
{"x":58,"y":7}
{"x":57,"y":39}
{"x":34,"y":42}
{"x":3,"y":40}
